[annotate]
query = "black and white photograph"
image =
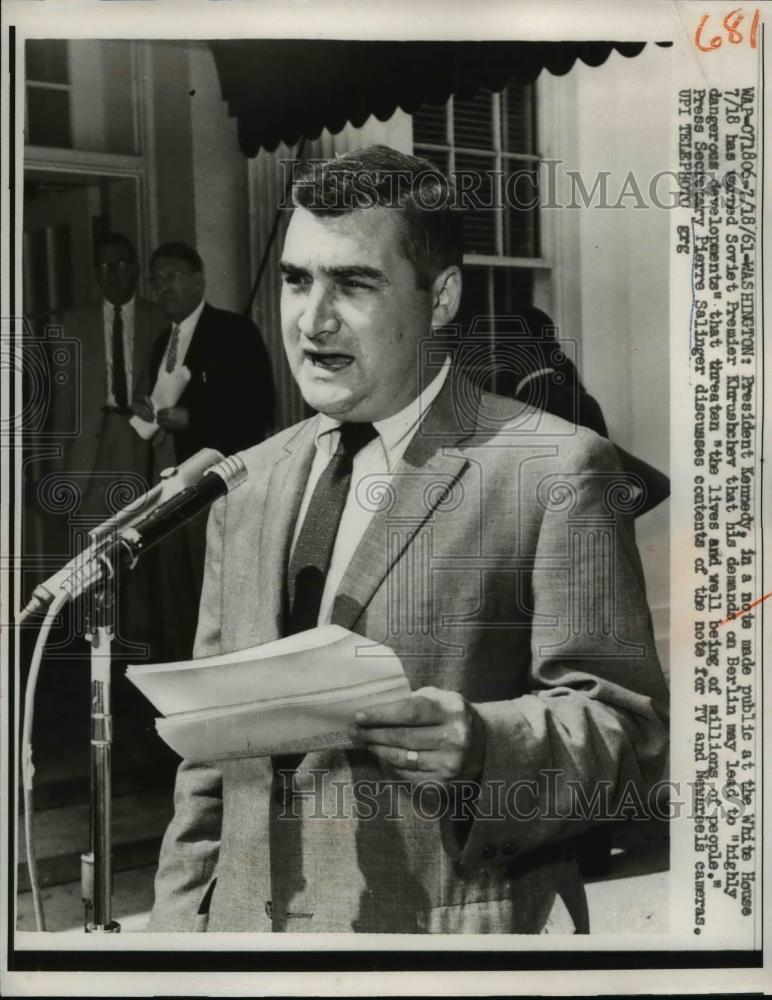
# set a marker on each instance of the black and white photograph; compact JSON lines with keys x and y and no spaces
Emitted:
{"x":383,"y":556}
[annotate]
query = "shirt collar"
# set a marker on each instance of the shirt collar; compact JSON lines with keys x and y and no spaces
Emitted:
{"x":108,"y":308}
{"x":393,"y":430}
{"x":188,"y":325}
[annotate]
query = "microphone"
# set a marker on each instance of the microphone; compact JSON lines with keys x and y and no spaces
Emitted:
{"x":172,"y":481}
{"x":132,"y":534}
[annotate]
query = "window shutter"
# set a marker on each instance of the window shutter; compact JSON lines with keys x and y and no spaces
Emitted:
{"x":473,"y":121}
{"x":517,"y":134}
{"x":430,"y":125}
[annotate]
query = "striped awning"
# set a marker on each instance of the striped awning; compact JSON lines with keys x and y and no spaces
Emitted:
{"x":284,"y":90}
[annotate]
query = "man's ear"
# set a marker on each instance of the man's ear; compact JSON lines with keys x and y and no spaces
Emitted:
{"x":446,"y":295}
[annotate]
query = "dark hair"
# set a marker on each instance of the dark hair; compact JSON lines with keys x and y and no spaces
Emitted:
{"x":112,"y":240}
{"x":429,"y":219}
{"x":178,"y":251}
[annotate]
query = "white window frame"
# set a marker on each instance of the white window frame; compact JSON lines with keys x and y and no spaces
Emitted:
{"x":557,"y":287}
{"x":96,"y":166}
{"x":540,"y":264}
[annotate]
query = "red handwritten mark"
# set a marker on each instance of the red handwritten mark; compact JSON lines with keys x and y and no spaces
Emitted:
{"x":715,"y":42}
{"x":746,"y":609}
{"x":730,"y":23}
{"x":755,"y":28}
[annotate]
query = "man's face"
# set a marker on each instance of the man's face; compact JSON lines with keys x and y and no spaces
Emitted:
{"x":352,"y":314}
{"x":116,"y":272}
{"x":178,"y":287}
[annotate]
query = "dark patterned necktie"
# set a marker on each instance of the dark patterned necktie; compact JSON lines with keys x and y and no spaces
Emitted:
{"x":174,"y":346}
{"x":120,"y":393}
{"x":313,"y":550}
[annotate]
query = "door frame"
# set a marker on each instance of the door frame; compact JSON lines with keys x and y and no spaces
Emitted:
{"x":93,"y":168}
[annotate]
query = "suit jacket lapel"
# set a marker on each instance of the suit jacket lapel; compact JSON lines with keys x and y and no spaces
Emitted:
{"x":95,"y":357}
{"x":428,"y":467}
{"x":282,"y":503}
{"x":94,"y":363}
{"x":143,"y":349}
{"x":159,"y":349}
{"x":195,"y":356}
{"x":137,"y":353}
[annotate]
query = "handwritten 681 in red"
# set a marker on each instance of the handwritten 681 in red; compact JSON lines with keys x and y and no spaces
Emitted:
{"x":731,"y":23}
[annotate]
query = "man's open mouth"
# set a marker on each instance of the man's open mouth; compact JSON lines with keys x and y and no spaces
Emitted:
{"x":329,"y":362}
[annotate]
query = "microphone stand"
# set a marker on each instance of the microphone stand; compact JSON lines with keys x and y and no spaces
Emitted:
{"x":117,"y":545}
{"x":97,"y":865}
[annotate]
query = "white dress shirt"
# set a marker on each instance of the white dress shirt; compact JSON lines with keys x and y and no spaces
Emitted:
{"x":378,"y":458}
{"x":127,"y":315}
{"x":187,"y":328}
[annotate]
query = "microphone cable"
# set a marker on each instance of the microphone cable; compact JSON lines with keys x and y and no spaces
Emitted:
{"x":27,"y":767}
{"x":136,"y":535}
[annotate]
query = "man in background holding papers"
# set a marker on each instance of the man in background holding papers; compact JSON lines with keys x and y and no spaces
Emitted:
{"x":224,"y":400}
{"x":228,"y":401}
{"x":480,"y":539}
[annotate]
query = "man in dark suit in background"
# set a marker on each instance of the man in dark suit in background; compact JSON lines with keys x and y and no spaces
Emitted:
{"x":227,"y":404}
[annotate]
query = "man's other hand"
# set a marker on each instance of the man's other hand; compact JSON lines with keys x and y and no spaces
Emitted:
{"x":144,"y":409}
{"x":174,"y":418}
{"x":433,"y":735}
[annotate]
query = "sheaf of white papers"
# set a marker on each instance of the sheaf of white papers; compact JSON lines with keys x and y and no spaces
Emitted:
{"x":168,"y":388}
{"x":298,"y":693}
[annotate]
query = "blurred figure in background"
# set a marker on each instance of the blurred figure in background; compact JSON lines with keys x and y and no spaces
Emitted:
{"x":222,"y":372}
{"x":547,"y":378}
{"x":101,"y":468}
{"x":105,"y":461}
{"x":116,"y":336}
{"x":544,"y":376}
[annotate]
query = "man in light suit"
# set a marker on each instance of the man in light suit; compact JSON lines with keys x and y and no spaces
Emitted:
{"x":484,"y":542}
{"x":115,"y":337}
{"x":104,"y":462}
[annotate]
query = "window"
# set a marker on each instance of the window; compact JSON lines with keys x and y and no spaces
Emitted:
{"x":82,"y":94}
{"x":48,"y":119}
{"x":487,"y":142}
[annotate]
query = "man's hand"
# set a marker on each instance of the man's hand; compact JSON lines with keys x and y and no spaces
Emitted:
{"x":144,"y":409}
{"x":174,"y":418}
{"x":433,"y":736}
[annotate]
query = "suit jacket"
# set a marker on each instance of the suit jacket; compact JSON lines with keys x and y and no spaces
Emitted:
{"x":560,"y":392}
{"x":230,"y":396}
{"x":77,"y":400}
{"x":499,"y":563}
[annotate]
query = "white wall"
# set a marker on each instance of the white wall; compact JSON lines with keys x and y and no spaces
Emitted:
{"x":220,"y":187}
{"x":624,"y":124}
{"x":171,"y":149}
